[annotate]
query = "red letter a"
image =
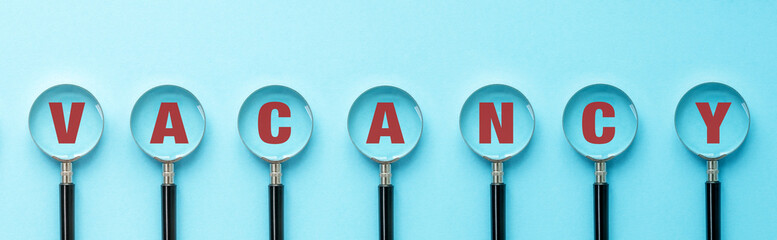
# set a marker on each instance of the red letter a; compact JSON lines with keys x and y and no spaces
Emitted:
{"x":504,"y":131}
{"x":160,"y":129}
{"x":713,"y":121}
{"x":377,"y":130}
{"x":66,"y":134}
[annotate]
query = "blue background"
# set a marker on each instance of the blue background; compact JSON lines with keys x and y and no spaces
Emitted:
{"x":440,"y":52}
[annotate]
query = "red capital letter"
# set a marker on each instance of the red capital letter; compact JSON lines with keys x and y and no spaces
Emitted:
{"x":504,"y":130}
{"x":66,"y":134}
{"x":589,"y":123}
{"x":160,"y":129}
{"x":265,"y":130}
{"x":377,"y":130}
{"x":713,"y":121}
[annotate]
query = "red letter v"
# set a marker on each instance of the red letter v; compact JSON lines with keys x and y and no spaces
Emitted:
{"x":66,"y":134}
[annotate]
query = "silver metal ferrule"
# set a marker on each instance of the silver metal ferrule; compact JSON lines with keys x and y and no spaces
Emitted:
{"x":275,"y":173}
{"x":601,"y":172}
{"x":167,"y":173}
{"x":497,"y":171}
{"x":385,"y":173}
{"x":67,"y":172}
{"x":712,"y":170}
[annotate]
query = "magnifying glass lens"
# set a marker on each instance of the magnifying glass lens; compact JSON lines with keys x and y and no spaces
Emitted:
{"x":167,"y":122}
{"x":712,"y":120}
{"x":497,"y":122}
{"x":600,"y":121}
{"x":66,"y":121}
{"x":385,"y":123}
{"x":275,"y":123}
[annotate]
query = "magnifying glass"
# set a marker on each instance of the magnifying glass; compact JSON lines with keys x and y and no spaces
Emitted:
{"x":275,"y":124}
{"x":385,"y":124}
{"x":712,"y":120}
{"x":600,"y":122}
{"x":497,"y":122}
{"x":167,"y":123}
{"x":66,"y":122}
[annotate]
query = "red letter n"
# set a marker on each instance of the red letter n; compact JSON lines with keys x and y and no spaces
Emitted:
{"x":488,"y":117}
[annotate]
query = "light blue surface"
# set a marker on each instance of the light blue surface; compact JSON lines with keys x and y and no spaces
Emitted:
{"x":440,"y":52}
{"x":692,"y":129}
{"x":87,"y":132}
{"x":146,"y":114}
{"x":299,"y":122}
{"x":364,"y":112}
{"x":522,"y":121}
{"x":624,"y":121}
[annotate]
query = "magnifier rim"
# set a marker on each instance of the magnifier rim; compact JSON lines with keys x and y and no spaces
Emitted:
{"x":633,"y":136}
{"x":747,"y":111}
{"x":533,"y":125}
{"x":310,"y":115}
{"x":420,"y":116}
{"x":102,"y":120}
{"x":202,"y":113}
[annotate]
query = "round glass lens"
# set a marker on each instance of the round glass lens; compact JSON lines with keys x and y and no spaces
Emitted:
{"x":66,"y":122}
{"x":275,"y":123}
{"x":167,"y":123}
{"x":600,"y":121}
{"x":385,"y":123}
{"x":712,"y":120}
{"x":497,"y":122}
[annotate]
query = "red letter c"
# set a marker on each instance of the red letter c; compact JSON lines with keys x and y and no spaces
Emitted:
{"x":589,"y":123}
{"x":265,"y":116}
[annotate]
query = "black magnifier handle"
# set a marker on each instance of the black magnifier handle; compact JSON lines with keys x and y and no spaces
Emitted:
{"x":168,"y":211}
{"x":713,"y":210}
{"x":276,"y":211}
{"x":386,"y":211}
{"x":66,"y":205}
{"x":601,"y":220}
{"x":497,"y":211}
